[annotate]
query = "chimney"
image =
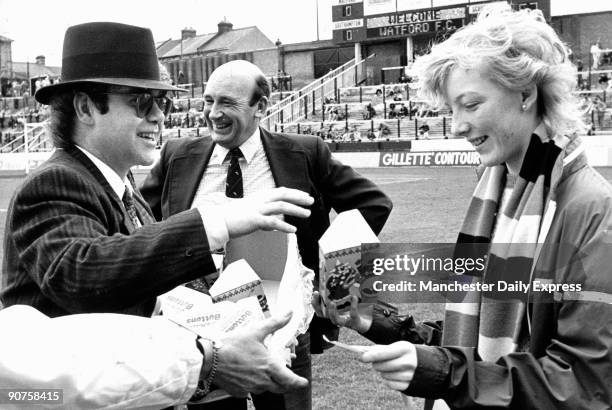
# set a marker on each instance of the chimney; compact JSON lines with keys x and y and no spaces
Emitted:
{"x":188,"y":32}
{"x":40,"y":60}
{"x":224,"y":26}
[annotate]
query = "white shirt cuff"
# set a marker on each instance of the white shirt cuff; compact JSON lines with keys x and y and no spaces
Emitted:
{"x":213,"y":220}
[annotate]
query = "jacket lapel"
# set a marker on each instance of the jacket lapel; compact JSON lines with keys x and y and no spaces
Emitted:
{"x":185,"y":173}
{"x":289,"y":166}
{"x":287,"y":161}
{"x":79,"y":156}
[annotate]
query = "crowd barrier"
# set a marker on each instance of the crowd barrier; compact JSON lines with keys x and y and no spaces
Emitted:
{"x":438,"y":153}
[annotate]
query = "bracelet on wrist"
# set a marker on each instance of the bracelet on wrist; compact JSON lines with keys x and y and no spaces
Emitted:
{"x":205,"y":381}
{"x":213,"y":371}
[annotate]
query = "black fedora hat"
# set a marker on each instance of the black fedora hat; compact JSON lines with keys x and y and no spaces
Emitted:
{"x":107,"y":53}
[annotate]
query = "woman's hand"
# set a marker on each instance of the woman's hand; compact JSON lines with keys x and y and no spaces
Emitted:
{"x":395,"y":363}
{"x":359,"y":319}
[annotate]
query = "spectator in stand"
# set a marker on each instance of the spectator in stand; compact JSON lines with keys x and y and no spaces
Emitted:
{"x":398,"y":93}
{"x":423,"y":131}
{"x":395,"y":110}
{"x":346,"y":136}
{"x":352,"y":135}
{"x":200,"y":121}
{"x":368,"y":112}
{"x":596,"y":54}
{"x":403,"y":78}
{"x":603,"y":81}
{"x":383,"y":131}
{"x":600,"y":109}
{"x":371,"y":135}
{"x":320,"y":132}
{"x":356,"y":134}
{"x":374,"y":107}
{"x":332,"y":134}
{"x":185,"y":121}
{"x":331,"y":110}
{"x":378,"y":101}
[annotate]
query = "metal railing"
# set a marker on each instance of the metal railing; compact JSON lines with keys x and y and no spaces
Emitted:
{"x":304,"y":103}
{"x":33,"y":138}
{"x":378,"y":128}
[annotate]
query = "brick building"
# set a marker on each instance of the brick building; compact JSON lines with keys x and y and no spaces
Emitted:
{"x":196,"y":56}
{"x":192,"y":58}
{"x":394,"y":30}
{"x":6,"y":64}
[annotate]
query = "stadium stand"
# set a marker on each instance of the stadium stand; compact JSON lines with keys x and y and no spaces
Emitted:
{"x":306,"y":111}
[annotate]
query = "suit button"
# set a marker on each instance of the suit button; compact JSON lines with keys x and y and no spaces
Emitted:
{"x":189,"y":252}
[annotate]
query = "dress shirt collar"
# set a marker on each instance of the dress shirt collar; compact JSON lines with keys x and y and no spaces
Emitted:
{"x":114,"y":180}
{"x":248,"y":148}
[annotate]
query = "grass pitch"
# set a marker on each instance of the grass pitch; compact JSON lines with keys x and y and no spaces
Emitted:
{"x":429,"y":205}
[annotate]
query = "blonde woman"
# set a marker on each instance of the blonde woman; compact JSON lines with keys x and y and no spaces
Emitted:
{"x":546,"y":216}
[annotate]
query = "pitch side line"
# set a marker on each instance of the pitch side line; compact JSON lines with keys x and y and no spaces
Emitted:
{"x":390,"y":181}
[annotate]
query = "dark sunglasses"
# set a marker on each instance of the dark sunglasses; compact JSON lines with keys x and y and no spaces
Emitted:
{"x":144,"y":103}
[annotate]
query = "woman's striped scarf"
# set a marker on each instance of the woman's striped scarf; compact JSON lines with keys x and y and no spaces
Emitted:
{"x":514,"y":238}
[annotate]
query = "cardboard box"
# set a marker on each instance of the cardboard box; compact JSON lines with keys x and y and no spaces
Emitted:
{"x":340,"y":262}
{"x":239,"y":281}
{"x":287,"y":284}
{"x":240,"y":296}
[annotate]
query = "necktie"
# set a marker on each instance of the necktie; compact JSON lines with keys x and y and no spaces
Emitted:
{"x":233,"y":183}
{"x":128,"y":202}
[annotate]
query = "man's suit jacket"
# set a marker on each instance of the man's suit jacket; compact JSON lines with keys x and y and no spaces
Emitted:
{"x":71,"y":248}
{"x":296,"y":161}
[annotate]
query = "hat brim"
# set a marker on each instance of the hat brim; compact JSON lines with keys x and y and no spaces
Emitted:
{"x":43,"y":95}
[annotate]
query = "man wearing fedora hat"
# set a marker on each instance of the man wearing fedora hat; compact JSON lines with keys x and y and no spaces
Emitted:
{"x":80,"y":238}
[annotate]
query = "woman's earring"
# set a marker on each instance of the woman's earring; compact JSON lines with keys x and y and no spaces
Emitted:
{"x":524,"y":107}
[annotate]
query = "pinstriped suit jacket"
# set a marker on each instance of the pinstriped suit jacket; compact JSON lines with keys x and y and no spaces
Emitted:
{"x":69,"y":246}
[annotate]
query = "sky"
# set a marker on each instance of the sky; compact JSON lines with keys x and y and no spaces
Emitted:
{"x":37,"y":26}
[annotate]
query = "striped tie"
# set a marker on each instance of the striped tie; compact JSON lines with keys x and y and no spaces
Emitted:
{"x":128,"y":202}
{"x":233,"y":183}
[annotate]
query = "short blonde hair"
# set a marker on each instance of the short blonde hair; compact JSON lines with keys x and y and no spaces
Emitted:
{"x":516,"y":50}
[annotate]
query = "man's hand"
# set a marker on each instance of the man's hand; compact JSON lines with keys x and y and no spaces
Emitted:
{"x":263,"y":210}
{"x":396,"y":363}
{"x":359,"y":319}
{"x":246,"y":366}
